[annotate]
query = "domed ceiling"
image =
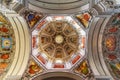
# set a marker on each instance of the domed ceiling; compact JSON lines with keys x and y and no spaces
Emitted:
{"x":57,"y":40}
{"x":68,"y":40}
{"x":58,"y":43}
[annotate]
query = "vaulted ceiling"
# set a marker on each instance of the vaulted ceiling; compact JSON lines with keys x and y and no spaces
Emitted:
{"x":59,"y":39}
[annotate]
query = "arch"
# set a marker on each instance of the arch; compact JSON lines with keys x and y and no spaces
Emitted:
{"x":51,"y":75}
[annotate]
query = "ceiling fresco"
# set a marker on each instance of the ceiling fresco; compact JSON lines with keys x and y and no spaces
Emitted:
{"x":7,"y":45}
{"x":74,"y":36}
{"x":111,"y":45}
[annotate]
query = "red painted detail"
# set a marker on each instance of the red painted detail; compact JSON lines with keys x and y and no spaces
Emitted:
{"x":41,"y":59}
{"x":4,"y":29}
{"x":33,"y":41}
{"x":83,"y":42}
{"x":41,"y":24}
{"x":4,"y":56}
{"x":112,"y":56}
{"x":58,"y":66}
{"x":86,"y":16}
{"x":75,"y":59}
{"x":113,"y":29}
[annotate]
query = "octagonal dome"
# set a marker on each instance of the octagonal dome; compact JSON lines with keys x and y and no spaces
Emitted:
{"x":58,"y":42}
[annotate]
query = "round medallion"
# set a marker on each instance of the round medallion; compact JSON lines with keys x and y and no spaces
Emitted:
{"x":59,"y":39}
{"x":6,"y":43}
